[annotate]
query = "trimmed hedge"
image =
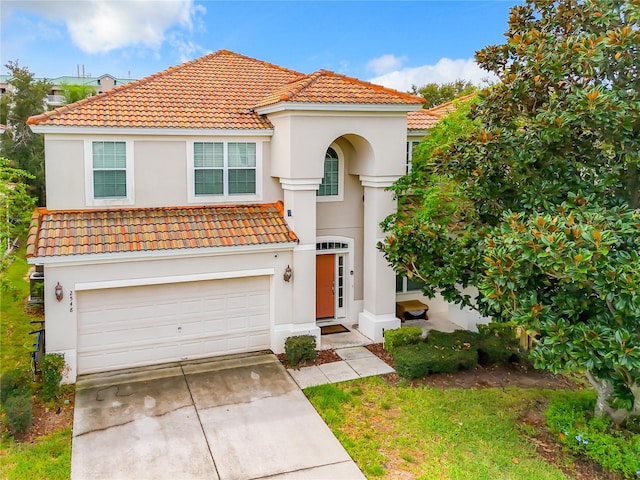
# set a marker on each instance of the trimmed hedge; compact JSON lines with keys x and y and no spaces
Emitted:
{"x":418,"y":360}
{"x":443,"y":352}
{"x":399,"y":337}
{"x":301,"y":348}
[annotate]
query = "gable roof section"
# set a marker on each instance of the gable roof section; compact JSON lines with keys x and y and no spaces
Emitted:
{"x":325,"y":86}
{"x":421,"y":120}
{"x":427,"y":118}
{"x":63,"y":233}
{"x":217,"y":91}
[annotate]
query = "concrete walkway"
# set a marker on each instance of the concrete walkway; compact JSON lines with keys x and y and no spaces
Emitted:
{"x":357,"y":362}
{"x":236,"y":418}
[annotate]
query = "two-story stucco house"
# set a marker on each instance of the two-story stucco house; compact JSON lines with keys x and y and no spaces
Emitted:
{"x":219,"y":206}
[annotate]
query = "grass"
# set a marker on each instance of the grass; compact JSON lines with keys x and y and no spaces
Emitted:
{"x":50,"y":456}
{"x":15,"y":325}
{"x":426,"y":433}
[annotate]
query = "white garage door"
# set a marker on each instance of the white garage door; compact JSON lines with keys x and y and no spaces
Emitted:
{"x":132,"y":326}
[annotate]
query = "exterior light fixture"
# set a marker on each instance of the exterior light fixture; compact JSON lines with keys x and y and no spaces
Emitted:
{"x":287,"y":274}
{"x":59,"y":292}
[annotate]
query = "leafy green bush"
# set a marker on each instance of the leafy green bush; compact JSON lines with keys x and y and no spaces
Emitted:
{"x":571,"y":417}
{"x":494,"y":350}
{"x":418,"y":360}
{"x":505,"y":330}
{"x":13,"y":383}
{"x":459,"y":339}
{"x":19,"y":413}
{"x":52,"y":366}
{"x":399,"y":337}
{"x":301,"y":348}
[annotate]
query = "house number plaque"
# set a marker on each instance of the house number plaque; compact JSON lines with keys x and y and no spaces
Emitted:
{"x":70,"y":300}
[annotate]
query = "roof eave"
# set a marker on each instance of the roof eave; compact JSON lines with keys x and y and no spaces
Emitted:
{"x":73,"y":129}
{"x":341,"y":107}
{"x":93,"y":258}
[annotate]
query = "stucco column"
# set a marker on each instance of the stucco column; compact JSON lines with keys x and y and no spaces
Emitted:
{"x":300,"y":214}
{"x":379,"y":278}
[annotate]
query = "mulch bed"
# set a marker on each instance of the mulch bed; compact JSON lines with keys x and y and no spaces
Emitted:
{"x":48,"y":420}
{"x":324,"y":356}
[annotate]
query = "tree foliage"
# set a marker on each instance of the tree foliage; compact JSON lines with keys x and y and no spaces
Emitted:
{"x":24,"y":99}
{"x":74,"y":92}
{"x":16,"y":204}
{"x":556,"y":141}
{"x":438,"y":93}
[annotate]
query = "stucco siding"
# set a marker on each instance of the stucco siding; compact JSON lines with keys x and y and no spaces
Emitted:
{"x":160,"y":173}
{"x":65,"y":174}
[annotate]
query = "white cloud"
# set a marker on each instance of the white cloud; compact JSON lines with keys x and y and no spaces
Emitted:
{"x":446,"y":70}
{"x":385,"y":64}
{"x":99,"y":26}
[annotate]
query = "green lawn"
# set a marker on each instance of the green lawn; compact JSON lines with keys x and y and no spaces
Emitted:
{"x":404,"y":432}
{"x":50,"y":456}
{"x":17,"y":344}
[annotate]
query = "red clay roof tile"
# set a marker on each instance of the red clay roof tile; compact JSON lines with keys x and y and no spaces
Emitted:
{"x":59,"y":233}
{"x":217,"y":91}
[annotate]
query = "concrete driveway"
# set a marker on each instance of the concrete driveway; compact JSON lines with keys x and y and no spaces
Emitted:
{"x":234,"y":418}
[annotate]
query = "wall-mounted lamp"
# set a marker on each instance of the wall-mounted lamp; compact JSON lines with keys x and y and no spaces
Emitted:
{"x":59,"y":292}
{"x":287,"y":274}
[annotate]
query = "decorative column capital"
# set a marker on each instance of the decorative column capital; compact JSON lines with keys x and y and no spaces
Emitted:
{"x":294,"y":184}
{"x":378,"y":182}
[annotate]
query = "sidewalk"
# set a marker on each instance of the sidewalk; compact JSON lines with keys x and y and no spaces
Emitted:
{"x":357,"y":362}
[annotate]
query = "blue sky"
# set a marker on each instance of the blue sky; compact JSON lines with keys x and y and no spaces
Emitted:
{"x":394,"y":43}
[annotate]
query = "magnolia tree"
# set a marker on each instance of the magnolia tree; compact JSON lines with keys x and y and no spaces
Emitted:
{"x":530,"y":196}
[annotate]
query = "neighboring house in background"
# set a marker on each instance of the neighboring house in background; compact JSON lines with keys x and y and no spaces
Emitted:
{"x":55,"y":98}
{"x":217,"y":207}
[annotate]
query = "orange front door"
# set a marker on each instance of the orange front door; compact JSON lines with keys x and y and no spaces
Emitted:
{"x":325,"y":277}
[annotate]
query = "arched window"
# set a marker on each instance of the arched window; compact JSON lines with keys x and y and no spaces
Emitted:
{"x":330,"y":186}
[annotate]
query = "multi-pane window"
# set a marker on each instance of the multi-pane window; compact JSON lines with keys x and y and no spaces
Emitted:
{"x":405,"y":284}
{"x":330,"y":183}
{"x":411,"y":146}
{"x":208,"y":162}
{"x":242,"y":168}
{"x":109,"y":169}
{"x":224,"y":168}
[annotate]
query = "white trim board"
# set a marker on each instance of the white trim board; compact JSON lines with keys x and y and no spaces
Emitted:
{"x":139,"y":282}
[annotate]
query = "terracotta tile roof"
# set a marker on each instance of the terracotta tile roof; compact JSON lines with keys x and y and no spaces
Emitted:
{"x":421,"y":120}
{"x":58,"y":233}
{"x":424,"y":119}
{"x":219,"y":90}
{"x":441,"y":110}
{"x":329,"y":87}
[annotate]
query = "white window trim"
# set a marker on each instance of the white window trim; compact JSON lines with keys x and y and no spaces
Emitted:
{"x":411,"y":145}
{"x":405,"y":286}
{"x":224,"y":198}
{"x":340,"y":196}
{"x":90,"y":201}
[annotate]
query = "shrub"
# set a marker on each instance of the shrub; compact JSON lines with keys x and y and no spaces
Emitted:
{"x":19,"y":414}
{"x":571,"y":418}
{"x":13,"y":383}
{"x":52,"y":366}
{"x":399,"y":337}
{"x":459,"y":339}
{"x":301,"y":348}
{"x":506,"y":330}
{"x":418,"y":360}
{"x":493,"y":350}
